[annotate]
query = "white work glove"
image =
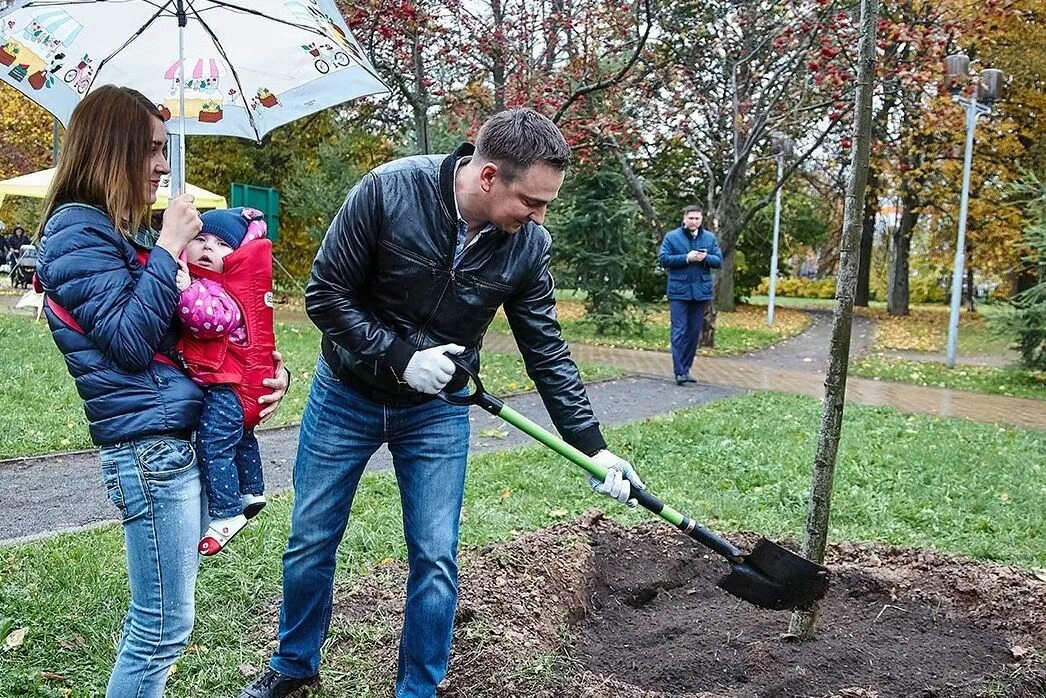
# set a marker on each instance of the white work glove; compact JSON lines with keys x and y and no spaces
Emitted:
{"x":620,"y":479}
{"x":429,"y":371}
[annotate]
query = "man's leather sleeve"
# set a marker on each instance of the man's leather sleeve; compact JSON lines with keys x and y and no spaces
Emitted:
{"x":333,"y":296}
{"x":532,"y":316}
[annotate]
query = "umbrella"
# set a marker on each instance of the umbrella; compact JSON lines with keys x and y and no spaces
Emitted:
{"x":36,"y":184}
{"x":237,"y":68}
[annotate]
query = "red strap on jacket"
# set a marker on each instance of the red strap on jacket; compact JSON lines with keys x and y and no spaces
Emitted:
{"x":70,"y":322}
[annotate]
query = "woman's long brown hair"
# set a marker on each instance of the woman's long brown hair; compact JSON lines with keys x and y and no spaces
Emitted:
{"x":103,"y":158}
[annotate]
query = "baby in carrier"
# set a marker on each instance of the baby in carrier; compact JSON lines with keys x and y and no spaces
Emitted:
{"x":227,"y":341}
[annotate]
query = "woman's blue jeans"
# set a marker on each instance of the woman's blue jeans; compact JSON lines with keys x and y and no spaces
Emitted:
{"x":155,"y":484}
{"x":340,"y":431}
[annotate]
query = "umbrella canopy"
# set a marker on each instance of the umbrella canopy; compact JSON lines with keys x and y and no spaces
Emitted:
{"x":239,"y":68}
{"x":35,"y":186}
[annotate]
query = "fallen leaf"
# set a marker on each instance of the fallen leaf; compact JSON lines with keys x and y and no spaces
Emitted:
{"x":52,"y":676}
{"x":558,"y":513}
{"x":493,"y":433}
{"x":505,"y":494}
{"x":76,"y":642}
{"x":1040,"y":575}
{"x":247,"y":670}
{"x":1019,"y":652}
{"x":16,"y":638}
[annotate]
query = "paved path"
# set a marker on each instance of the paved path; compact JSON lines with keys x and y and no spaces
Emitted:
{"x":52,"y":494}
{"x":808,"y":350}
{"x":55,"y":493}
{"x":746,"y":374}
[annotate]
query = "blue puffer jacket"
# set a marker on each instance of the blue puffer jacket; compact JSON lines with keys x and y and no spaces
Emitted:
{"x":126,"y":312}
{"x":689,"y":282}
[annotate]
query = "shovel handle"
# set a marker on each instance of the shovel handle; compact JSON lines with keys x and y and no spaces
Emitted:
{"x":645,"y":499}
{"x":496,"y":407}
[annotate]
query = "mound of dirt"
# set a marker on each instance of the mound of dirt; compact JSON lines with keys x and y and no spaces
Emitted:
{"x":592,"y":609}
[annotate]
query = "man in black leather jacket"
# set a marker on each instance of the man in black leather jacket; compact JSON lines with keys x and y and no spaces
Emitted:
{"x":420,"y":257}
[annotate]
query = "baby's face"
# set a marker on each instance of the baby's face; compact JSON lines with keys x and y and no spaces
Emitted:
{"x":207,"y":251}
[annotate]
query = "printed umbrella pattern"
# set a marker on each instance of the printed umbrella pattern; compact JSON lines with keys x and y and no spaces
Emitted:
{"x":243,"y":68}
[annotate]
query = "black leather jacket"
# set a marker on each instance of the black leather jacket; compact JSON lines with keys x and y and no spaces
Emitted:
{"x":384,"y":286}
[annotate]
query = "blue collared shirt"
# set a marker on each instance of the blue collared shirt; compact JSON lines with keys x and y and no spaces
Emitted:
{"x":463,"y":226}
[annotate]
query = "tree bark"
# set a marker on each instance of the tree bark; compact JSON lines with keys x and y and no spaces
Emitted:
{"x":970,"y":300}
{"x":725,"y":301}
{"x":803,"y":623}
{"x":871,"y":214}
{"x":897,"y":291}
{"x":421,"y":98}
{"x":635,"y":186}
{"x":498,"y":72}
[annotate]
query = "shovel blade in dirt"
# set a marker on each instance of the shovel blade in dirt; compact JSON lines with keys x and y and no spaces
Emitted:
{"x":770,"y":576}
{"x":775,"y":578}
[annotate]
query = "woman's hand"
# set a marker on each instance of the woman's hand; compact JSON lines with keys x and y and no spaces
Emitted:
{"x":279,"y":383}
{"x":181,"y":223}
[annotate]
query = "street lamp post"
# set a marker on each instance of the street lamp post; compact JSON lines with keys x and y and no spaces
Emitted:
{"x":985,"y":93}
{"x":781,"y":146}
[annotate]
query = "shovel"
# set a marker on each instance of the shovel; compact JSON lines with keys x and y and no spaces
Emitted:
{"x":770,"y":576}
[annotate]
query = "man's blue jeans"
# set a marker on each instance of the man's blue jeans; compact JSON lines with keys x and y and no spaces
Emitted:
{"x":688,"y":317}
{"x":340,"y":431}
{"x":155,"y":484}
{"x":229,"y":456}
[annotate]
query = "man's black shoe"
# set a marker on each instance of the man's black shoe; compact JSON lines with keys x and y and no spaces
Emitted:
{"x":690,"y":379}
{"x":273,"y":684}
{"x":680,"y":378}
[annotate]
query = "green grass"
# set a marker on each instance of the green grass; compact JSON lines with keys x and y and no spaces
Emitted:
{"x":736,"y":333}
{"x":1010,"y":381}
{"x":743,"y":463}
{"x":40,"y":411}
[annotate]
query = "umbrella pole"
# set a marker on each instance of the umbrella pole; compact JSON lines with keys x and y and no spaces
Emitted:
{"x":178,"y":181}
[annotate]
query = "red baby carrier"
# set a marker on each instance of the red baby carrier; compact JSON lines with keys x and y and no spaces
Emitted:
{"x":248,"y":280}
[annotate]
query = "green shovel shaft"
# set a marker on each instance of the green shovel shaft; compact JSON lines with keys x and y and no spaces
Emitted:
{"x":644,"y":498}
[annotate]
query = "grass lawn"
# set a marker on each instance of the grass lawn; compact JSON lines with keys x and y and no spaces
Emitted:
{"x":40,"y":411}
{"x":1011,"y":381}
{"x":736,"y":333}
{"x":926,"y":330}
{"x":742,"y":463}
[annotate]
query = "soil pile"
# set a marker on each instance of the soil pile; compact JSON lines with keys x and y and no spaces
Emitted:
{"x":592,"y":609}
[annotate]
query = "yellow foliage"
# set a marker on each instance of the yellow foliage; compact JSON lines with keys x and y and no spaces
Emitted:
{"x":25,"y":134}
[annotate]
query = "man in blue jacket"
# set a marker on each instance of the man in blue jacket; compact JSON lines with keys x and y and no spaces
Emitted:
{"x":689,"y":254}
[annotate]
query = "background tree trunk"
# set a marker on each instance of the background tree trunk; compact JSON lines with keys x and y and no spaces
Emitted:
{"x":803,"y":623}
{"x":898,"y":269}
{"x":421,"y":99}
{"x":970,"y":300}
{"x":725,"y":287}
{"x":871,"y":214}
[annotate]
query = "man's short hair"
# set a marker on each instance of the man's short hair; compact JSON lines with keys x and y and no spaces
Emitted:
{"x":516,"y":139}
{"x":692,"y":209}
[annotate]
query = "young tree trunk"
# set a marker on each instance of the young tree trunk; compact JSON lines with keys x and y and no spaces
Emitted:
{"x":871,"y":214}
{"x":803,"y":623}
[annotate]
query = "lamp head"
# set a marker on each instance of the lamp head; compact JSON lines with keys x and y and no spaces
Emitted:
{"x":781,"y":144}
{"x":989,"y":85}
{"x":957,"y":69}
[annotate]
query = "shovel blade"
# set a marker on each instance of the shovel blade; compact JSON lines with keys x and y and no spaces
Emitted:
{"x":775,"y":578}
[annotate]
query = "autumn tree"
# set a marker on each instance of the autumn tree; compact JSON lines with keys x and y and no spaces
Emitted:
{"x":731,"y":74}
